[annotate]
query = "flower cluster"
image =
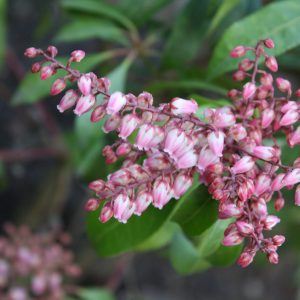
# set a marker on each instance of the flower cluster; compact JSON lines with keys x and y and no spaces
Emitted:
{"x":233,"y":150}
{"x":34,"y":266}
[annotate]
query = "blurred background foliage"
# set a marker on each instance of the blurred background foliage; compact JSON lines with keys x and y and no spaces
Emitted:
{"x":169,"y":48}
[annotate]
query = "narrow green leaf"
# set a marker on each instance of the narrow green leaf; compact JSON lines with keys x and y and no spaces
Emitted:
{"x":221,"y":13}
{"x":33,"y":89}
{"x":278,"y":21}
{"x":89,"y":28}
{"x":196,"y":210}
{"x":99,"y":8}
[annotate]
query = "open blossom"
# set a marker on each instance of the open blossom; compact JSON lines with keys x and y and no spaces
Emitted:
{"x":234,"y":150}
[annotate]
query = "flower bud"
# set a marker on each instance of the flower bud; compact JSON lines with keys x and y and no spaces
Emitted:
{"x":249,"y":90}
{"x":268,"y":116}
{"x":277,"y":183}
{"x":181,"y":106}
{"x":246,"y":64}
{"x":162,"y":193}
{"x":98,"y":113}
{"x":243,"y":165}
{"x":269,"y":43}
{"x":112,"y":123}
{"x":271,"y":63}
{"x":46,"y":72}
{"x":106,"y":212}
{"x":128,"y":125}
{"x":278,"y":240}
{"x":265,"y":153}
{"x":259,"y":208}
{"x":279,"y":203}
{"x":263,"y":184}
{"x":270,"y":222}
{"x":216,"y":142}
{"x":239,"y":75}
{"x":142,"y":201}
{"x":238,"y":51}
{"x":206,"y":158}
{"x":273,"y":258}
{"x":85,"y":85}
{"x":77,"y":55}
{"x":36,"y":67}
{"x":92,"y":204}
{"x":181,"y":184}
{"x":244,"y":228}
{"x":68,"y":100}
{"x":120,"y":204}
{"x":31,"y":52}
{"x":297,"y":195}
{"x":57,"y":87}
{"x":123,"y":149}
{"x":292,"y":177}
{"x":289,"y":118}
{"x":115,"y":103}
{"x":283,"y":85}
{"x":84,"y":104}
{"x":245,"y":259}
{"x":232,"y":237}
{"x":97,"y":185}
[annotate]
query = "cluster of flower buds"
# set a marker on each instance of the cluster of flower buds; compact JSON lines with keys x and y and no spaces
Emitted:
{"x":233,"y":150}
{"x":35,"y":266}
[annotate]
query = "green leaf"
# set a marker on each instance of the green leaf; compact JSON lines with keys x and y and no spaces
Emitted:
{"x":187,"y":33}
{"x":196,"y":210}
{"x":141,"y":11}
{"x":279,"y":21}
{"x":211,"y":239}
{"x":33,"y":89}
{"x":184,"y":256}
{"x":159,"y":239}
{"x":221,"y":13}
{"x":101,"y":9}
{"x":114,"y":238}
{"x":89,"y":28}
{"x":95,"y":294}
{"x":225,"y":256}
{"x":186,"y":85}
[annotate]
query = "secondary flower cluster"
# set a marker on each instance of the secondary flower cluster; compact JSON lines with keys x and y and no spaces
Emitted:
{"x":234,"y":150}
{"x":34,"y":266}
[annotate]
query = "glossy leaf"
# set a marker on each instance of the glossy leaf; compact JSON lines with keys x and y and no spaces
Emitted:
{"x":196,"y":210}
{"x":279,"y":21}
{"x":33,"y":89}
{"x":114,"y":238}
{"x":225,"y":256}
{"x":89,"y":28}
{"x":101,"y":9}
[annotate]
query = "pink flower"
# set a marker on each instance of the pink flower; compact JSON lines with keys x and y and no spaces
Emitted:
{"x":77,"y":55}
{"x":283,"y":85}
{"x":115,"y":103}
{"x":206,"y":158}
{"x":263,"y":184}
{"x":277,"y":183}
{"x":120,"y":204}
{"x":245,"y":259}
{"x":271,"y":63}
{"x":292,"y":177}
{"x":175,"y":139}
{"x":269,"y":43}
{"x":238,"y":132}
{"x":84,"y":104}
{"x":232,"y":237}
{"x":268,"y":116}
{"x":244,"y":228}
{"x":92,"y":204}
{"x":263,"y":152}
{"x":143,"y":200}
{"x":162,"y":193}
{"x":270,"y":222}
{"x":128,"y":125}
{"x":144,"y":137}
{"x":238,"y":51}
{"x":187,"y":160}
{"x":85,"y":84}
{"x":249,"y":90}
{"x":223,"y":117}
{"x":128,"y":212}
{"x":57,"y":87}
{"x":46,"y":72}
{"x":243,"y":165}
{"x":181,"y":184}
{"x":289,"y":118}
{"x":216,"y":142}
{"x":181,"y":106}
{"x":68,"y":100}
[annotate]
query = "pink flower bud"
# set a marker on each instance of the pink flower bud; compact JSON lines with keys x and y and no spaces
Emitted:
{"x":278,"y":240}
{"x":107,"y":212}
{"x":290,"y":105}
{"x":232,"y":94}
{"x":120,"y":204}
{"x":181,"y":106}
{"x":123,"y":149}
{"x":271,"y":63}
{"x":142,"y":201}
{"x":232,"y":237}
{"x":158,"y":137}
{"x":77,"y":55}
{"x":249,"y":90}
{"x":128,"y":212}
{"x":97,"y":185}
{"x":68,"y":100}
{"x":245,"y":259}
{"x":57,"y":87}
{"x":246,"y":64}
{"x":238,"y":51}
{"x":85,"y":85}
{"x":223,"y":117}
{"x":216,"y":142}
{"x":115,"y":103}
{"x":144,"y":99}
{"x":46,"y":72}
{"x":292,"y":177}
{"x":294,"y":137}
{"x":279,"y":203}
{"x":181,"y":184}
{"x":31,"y":52}
{"x":243,"y":165}
{"x":144,"y":137}
{"x":121,"y":177}
{"x":244,"y":228}
{"x":268,"y":116}
{"x":206,"y":158}
{"x":297,"y":195}
{"x":98,"y":113}
{"x":229,"y":210}
{"x":238,"y":132}
{"x":270,"y":222}
{"x":162,"y":193}
{"x":273,"y":258}
{"x":259,"y":208}
{"x":283,"y":85}
{"x":157,"y":161}
{"x":84,"y":104}
{"x":36,"y":67}
{"x":245,"y":190}
{"x":175,"y":139}
{"x":239,"y":75}
{"x":289,"y":118}
{"x":265,"y":153}
{"x":112,"y":123}
{"x":266,"y":80}
{"x":263,"y":184}
{"x":277,"y":183}
{"x":92,"y":204}
{"x":128,"y":125}
{"x":269,"y":43}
